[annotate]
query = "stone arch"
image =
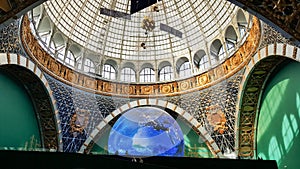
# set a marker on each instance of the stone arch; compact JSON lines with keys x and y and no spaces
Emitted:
{"x":216,"y":52}
{"x":256,"y":74}
{"x":200,"y":55}
{"x":200,"y":130}
{"x":48,"y":117}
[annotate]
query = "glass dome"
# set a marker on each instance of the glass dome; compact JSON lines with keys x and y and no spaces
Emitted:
{"x":79,"y":34}
{"x":199,"y":21}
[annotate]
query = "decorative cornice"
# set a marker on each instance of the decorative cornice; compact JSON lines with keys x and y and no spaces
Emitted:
{"x":100,"y":86}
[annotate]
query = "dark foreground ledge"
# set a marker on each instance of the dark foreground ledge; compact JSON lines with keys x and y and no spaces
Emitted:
{"x":11,"y":159}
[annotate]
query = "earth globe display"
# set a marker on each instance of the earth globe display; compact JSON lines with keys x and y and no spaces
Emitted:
{"x":146,"y":131}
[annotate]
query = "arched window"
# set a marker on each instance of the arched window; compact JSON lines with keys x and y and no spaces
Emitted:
{"x":147,"y":75}
{"x":89,"y":66}
{"x":109,"y":72}
{"x":70,"y":59}
{"x":60,"y":53}
{"x":242,"y":22}
{"x":230,"y":38}
{"x":128,"y":75}
{"x":166,"y":73}
{"x":204,"y":63}
{"x":58,"y":46}
{"x":44,"y":31}
{"x":216,"y":51}
{"x":201,"y":60}
{"x":185,"y":69}
{"x":36,"y":12}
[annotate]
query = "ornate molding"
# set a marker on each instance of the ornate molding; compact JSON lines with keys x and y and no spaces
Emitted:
{"x":257,"y":73}
{"x":100,"y":86}
{"x":34,"y":81}
{"x":79,"y":121}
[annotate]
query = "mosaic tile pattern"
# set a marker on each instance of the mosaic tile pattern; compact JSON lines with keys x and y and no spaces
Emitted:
{"x":9,"y":39}
{"x":69,"y":99}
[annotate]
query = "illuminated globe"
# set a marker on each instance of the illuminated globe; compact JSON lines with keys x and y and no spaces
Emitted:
{"x":146,"y":131}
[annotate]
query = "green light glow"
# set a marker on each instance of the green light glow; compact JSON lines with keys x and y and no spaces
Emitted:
{"x":270,"y":105}
{"x":279,"y":119}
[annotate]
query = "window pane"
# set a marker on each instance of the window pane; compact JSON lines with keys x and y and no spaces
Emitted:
{"x":147,"y":75}
{"x":185,"y":69}
{"x":128,"y":75}
{"x":166,"y":73}
{"x":109,"y":72}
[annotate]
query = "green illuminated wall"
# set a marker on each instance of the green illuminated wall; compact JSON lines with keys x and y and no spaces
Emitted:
{"x":18,"y":124}
{"x":193,"y":144}
{"x":279,"y":119}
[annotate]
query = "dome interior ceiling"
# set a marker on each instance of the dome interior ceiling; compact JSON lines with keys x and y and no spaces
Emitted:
{"x":200,"y":21}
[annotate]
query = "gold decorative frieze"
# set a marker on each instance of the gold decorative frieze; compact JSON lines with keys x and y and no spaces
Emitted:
{"x":128,"y":90}
{"x":166,"y":88}
{"x":147,"y":90}
{"x":202,"y":79}
{"x":109,"y":87}
{"x":100,"y":86}
{"x":236,"y":60}
{"x":90,"y":83}
{"x":184,"y":85}
{"x":220,"y":71}
{"x":71,"y":76}
{"x":54,"y":67}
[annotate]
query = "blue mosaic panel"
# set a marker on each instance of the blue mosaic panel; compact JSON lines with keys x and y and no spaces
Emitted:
{"x":69,"y":99}
{"x":9,"y":39}
{"x":203,"y":104}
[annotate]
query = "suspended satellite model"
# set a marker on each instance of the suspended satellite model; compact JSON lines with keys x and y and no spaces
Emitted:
{"x":113,"y":13}
{"x":170,"y":30}
{"x":137,"y":5}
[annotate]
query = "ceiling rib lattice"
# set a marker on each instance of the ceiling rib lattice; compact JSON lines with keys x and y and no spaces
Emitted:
{"x":200,"y":21}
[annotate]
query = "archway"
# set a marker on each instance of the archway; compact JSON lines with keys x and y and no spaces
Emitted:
{"x":110,"y":119}
{"x":33,"y":80}
{"x":256,"y":74}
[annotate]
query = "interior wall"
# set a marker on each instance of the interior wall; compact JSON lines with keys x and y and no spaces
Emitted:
{"x":18,"y":124}
{"x":279,"y":118}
